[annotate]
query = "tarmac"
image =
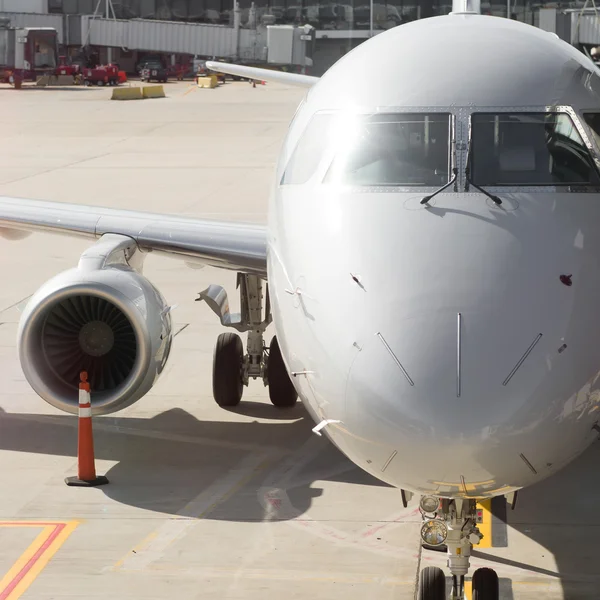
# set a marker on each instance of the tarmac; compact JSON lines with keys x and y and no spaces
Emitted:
{"x":203,"y":502}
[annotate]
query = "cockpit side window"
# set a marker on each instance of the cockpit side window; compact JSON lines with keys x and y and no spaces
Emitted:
{"x":392,"y":150}
{"x":529,"y":149}
{"x":593,"y":122}
{"x":309,"y":151}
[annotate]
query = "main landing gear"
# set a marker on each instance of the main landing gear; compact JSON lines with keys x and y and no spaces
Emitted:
{"x":453,"y":523}
{"x":232,"y":366}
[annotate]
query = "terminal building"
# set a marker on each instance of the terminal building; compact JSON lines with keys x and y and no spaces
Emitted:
{"x":260,"y":31}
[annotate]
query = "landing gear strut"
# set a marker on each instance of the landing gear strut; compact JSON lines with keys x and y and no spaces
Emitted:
{"x":453,"y":523}
{"x":232,"y":367}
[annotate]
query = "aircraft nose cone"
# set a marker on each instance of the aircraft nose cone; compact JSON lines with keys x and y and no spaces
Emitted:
{"x":428,"y":394}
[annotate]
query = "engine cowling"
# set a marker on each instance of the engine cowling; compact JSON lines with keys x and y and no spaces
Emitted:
{"x":112,"y":323}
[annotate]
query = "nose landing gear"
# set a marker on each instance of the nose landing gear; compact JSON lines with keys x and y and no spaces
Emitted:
{"x":453,"y":523}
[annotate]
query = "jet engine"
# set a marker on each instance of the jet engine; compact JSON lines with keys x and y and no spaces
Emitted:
{"x":103,"y":317}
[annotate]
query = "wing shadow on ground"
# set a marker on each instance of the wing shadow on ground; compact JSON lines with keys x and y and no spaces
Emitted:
{"x":167,"y":461}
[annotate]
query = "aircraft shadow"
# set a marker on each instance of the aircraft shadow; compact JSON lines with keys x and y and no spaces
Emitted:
{"x":559,"y":514}
{"x":165,"y":463}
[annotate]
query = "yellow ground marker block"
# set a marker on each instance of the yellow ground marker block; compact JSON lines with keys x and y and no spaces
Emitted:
{"x":486,"y":525}
{"x":210,"y":81}
{"x":153,"y":91}
{"x":127,"y":93}
{"x":32,"y":562}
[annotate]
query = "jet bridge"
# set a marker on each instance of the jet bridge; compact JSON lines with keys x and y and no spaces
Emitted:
{"x":577,"y":26}
{"x":173,"y":37}
{"x":161,"y":36}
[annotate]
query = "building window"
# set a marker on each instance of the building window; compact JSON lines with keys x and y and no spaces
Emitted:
{"x":55,"y":6}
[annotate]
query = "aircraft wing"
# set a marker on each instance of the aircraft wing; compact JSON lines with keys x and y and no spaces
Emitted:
{"x":263,"y":74}
{"x":229,"y":245}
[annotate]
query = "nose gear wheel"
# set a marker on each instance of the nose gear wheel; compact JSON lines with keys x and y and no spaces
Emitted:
{"x":485,"y":585}
{"x":432,"y":584}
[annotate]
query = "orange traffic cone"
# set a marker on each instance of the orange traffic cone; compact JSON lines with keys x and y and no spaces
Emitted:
{"x":86,"y":469}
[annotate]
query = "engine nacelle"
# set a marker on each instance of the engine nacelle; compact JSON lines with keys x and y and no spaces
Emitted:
{"x":110,"y":321}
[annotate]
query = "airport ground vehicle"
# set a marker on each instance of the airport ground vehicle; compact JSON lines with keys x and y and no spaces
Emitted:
{"x":26,"y":53}
{"x":154,"y":71}
{"x":101,"y":75}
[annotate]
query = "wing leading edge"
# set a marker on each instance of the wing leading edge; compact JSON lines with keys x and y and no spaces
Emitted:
{"x":263,"y":74}
{"x":228,"y":245}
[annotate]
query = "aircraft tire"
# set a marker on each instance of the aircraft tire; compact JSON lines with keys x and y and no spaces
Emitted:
{"x":432,"y":584}
{"x":485,"y":585}
{"x":281,"y":390}
{"x":228,"y":361}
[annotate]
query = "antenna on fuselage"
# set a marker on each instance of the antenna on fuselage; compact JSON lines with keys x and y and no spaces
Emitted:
{"x":466,"y":7}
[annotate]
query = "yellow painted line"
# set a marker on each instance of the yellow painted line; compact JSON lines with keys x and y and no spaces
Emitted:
{"x":486,"y":526}
{"x":192,"y":88}
{"x":26,"y":556}
{"x":39,"y":553}
{"x":468,"y":590}
{"x":279,"y":575}
{"x":141,"y":546}
{"x":546,"y":584}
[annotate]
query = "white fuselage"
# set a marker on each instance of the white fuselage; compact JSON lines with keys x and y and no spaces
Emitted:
{"x":418,"y":270}
{"x":441,"y":337}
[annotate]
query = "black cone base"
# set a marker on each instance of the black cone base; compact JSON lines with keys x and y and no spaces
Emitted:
{"x":75,"y":481}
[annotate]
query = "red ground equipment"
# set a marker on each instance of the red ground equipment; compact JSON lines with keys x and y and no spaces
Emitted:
{"x":180,"y":71}
{"x":101,"y":75}
{"x":66,"y":69}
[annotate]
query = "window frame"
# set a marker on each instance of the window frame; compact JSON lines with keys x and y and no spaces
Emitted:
{"x":594,"y":138}
{"x":577,"y":121}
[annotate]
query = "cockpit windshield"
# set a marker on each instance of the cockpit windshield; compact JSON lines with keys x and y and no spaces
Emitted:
{"x":375,"y":150}
{"x":394,"y":150}
{"x":529,"y":149}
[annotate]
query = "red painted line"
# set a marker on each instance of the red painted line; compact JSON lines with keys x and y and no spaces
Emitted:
{"x":40,"y":551}
{"x":377,"y":528}
{"x":30,"y":523}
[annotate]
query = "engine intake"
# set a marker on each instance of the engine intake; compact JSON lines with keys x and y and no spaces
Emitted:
{"x":88,"y":333}
{"x":110,"y":322}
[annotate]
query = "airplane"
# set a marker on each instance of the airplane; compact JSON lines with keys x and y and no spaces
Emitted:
{"x":430,"y":263}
